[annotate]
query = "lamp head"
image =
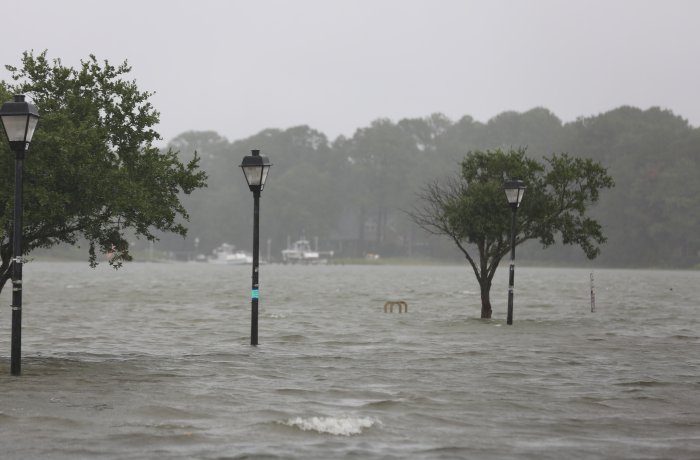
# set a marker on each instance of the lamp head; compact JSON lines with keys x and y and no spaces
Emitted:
{"x":19,"y":118}
{"x":255,"y":168}
{"x":515,"y":189}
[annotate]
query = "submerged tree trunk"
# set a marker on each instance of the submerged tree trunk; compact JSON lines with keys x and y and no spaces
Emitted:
{"x":4,"y":277}
{"x":5,"y":264}
{"x":485,"y":287}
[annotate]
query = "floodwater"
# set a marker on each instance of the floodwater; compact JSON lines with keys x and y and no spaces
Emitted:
{"x":153,"y":361}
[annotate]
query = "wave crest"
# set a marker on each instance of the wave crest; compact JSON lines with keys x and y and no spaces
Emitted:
{"x":339,"y":426}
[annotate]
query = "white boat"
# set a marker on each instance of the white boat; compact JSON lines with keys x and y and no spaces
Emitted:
{"x":300,"y":252}
{"x":226,"y":254}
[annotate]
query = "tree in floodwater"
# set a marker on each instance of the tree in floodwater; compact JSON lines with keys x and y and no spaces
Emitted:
{"x":472,"y":209}
{"x":91,"y":173}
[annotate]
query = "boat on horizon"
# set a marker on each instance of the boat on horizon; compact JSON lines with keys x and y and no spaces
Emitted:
{"x":301,"y":252}
{"x":226,"y":254}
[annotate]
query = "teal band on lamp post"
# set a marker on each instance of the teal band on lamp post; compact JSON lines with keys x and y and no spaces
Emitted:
{"x":19,"y":119}
{"x":255,"y":168}
{"x":515,"y":189}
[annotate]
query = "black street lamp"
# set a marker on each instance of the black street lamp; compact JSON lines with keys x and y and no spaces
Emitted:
{"x":19,"y":118}
{"x":514,"y":192}
{"x":255,"y":168}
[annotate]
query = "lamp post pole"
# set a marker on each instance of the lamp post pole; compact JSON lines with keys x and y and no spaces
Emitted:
{"x":19,"y":118}
{"x":16,"y":341}
{"x":514,"y":193}
{"x":511,"y":278}
{"x":256,"y":287}
{"x":255,"y":168}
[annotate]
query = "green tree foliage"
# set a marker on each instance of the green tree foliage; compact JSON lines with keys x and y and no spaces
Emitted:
{"x":302,"y":200}
{"x":472,"y":211}
{"x":304,"y":196}
{"x":92,"y":172}
{"x":538,"y":129}
{"x":655,"y":159}
{"x":383,"y":157}
{"x":350,"y":192}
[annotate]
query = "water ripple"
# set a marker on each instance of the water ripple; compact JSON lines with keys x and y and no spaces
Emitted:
{"x":143,"y":363}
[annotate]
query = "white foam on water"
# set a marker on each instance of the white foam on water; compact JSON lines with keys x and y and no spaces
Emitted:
{"x":338,"y":426}
{"x":275,"y":316}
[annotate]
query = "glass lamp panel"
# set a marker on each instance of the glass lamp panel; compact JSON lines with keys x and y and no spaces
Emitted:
{"x":512,"y":195}
{"x":31,"y":126}
{"x":15,"y":127}
{"x":265,"y":170}
{"x":253,"y":174}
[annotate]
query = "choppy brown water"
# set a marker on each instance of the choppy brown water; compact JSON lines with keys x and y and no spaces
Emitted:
{"x":153,"y":361}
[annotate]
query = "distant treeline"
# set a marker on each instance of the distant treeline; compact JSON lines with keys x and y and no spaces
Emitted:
{"x":349,"y":195}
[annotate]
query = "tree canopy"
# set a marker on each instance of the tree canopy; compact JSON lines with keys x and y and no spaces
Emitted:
{"x":350,"y":192}
{"x":358,"y":185}
{"x":472,"y":211}
{"x":92,"y":172}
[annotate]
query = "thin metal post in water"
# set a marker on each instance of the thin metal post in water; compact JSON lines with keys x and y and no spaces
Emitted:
{"x":255,"y":168}
{"x":512,"y":269}
{"x":256,"y":250}
{"x":16,"y":340}
{"x":592,"y":294}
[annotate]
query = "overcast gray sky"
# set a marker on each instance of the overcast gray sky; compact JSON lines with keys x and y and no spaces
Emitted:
{"x":237,"y":67}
